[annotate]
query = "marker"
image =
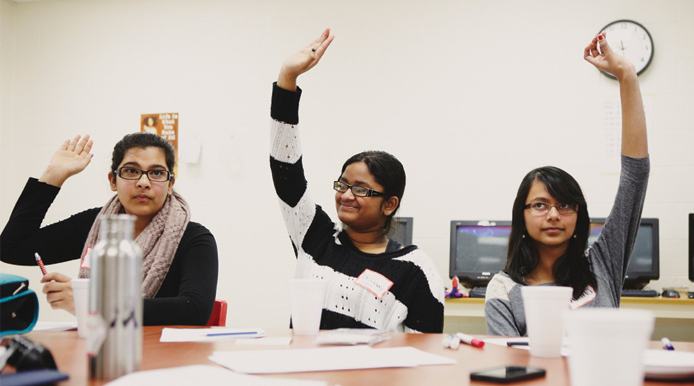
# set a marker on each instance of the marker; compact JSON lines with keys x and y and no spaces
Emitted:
{"x":517,"y":343}
{"x":233,"y":333}
{"x":467,"y":339}
{"x":667,"y":345}
{"x":451,"y":341}
{"x":40,"y":263}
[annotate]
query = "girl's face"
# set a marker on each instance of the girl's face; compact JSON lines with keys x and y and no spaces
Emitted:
{"x":362,"y":213}
{"x":551,"y":229}
{"x":142,"y":198}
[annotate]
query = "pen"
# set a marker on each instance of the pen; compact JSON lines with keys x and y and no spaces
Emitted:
{"x":667,"y":345}
{"x":467,"y":339}
{"x":451,"y":341}
{"x":517,"y":343}
{"x":40,"y":263}
{"x":232,"y":333}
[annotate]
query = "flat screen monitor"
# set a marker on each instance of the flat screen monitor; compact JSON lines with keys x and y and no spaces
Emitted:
{"x":402,"y":230}
{"x":691,"y":246}
{"x":644,"y":264}
{"x":478,"y":250}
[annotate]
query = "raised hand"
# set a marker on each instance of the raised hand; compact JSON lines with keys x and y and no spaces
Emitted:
{"x":303,"y":60}
{"x":606,"y":59}
{"x":71,"y":158}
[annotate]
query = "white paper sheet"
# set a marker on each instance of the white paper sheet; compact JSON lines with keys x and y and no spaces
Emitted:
{"x":324,"y":359}
{"x":504,"y":341}
{"x":203,"y":375}
{"x":55,"y":326}
{"x":208,"y":334}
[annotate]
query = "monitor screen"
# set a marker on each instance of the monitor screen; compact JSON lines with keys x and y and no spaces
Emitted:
{"x":402,"y":230}
{"x":644,"y":264}
{"x":478,"y":250}
{"x":691,"y":246}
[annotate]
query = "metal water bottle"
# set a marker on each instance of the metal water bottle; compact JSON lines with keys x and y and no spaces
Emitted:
{"x":114,"y":343}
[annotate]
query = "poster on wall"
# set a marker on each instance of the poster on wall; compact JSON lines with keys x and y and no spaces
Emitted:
{"x":166,"y":126}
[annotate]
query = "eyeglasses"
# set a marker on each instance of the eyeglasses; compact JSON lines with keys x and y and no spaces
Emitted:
{"x":356,"y":190}
{"x":154,"y":175}
{"x":538,"y":207}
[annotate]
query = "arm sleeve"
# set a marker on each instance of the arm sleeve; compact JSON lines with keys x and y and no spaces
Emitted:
{"x":56,"y":243}
{"x":189,"y":290}
{"x":615,"y":244}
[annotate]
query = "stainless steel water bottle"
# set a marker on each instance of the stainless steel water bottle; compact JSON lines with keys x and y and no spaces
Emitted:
{"x":114,"y":342}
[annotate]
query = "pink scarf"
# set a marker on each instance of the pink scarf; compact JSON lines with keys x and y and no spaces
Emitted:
{"x":158,"y":241}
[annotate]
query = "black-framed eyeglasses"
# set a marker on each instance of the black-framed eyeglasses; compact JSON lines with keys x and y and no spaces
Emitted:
{"x":356,"y":190}
{"x":539,"y":208}
{"x":133,"y":173}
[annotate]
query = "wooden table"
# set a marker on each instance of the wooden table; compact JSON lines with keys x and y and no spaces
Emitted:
{"x":70,"y":354}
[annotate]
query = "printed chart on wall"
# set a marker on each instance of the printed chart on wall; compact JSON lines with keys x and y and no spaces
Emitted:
{"x":166,"y":126}
{"x":612,"y":131}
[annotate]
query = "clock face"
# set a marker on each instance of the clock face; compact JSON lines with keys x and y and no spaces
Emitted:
{"x":631,"y":40}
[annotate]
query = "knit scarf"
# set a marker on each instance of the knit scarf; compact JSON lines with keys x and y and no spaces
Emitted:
{"x":158,"y":241}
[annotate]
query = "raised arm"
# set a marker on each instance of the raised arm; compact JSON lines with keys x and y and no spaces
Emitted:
{"x":600,"y":54}
{"x":303,"y":60}
{"x":71,"y":158}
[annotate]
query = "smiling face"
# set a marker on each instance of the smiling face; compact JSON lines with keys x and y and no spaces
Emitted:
{"x":552,"y":229}
{"x":142,"y":198}
{"x":362,"y":213}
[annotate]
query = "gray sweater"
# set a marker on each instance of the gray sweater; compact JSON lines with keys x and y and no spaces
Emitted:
{"x":608,"y":256}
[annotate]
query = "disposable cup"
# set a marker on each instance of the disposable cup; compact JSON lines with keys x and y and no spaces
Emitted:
{"x":607,"y":346}
{"x":307,"y":298}
{"x":80,"y":295}
{"x":545,"y":309}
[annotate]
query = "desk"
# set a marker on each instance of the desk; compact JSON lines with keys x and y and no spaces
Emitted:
{"x":70,"y":354}
{"x":674,"y":317}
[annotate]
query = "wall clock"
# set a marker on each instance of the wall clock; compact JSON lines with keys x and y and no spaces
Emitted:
{"x":631,"y":40}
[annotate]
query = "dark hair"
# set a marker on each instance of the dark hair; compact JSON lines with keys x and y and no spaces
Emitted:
{"x":573,"y":268}
{"x":387,"y":171}
{"x":142,"y":140}
{"x":154,"y":120}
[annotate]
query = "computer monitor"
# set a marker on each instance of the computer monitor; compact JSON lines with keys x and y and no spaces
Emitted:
{"x":402,"y":230}
{"x":644,"y":264}
{"x":691,"y":246}
{"x":478,"y":250}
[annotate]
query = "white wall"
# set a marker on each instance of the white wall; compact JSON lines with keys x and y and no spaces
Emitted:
{"x":470,"y":95}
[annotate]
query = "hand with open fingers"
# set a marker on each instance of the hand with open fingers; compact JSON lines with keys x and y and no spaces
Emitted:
{"x":303,"y":60}
{"x":600,"y":54}
{"x":58,"y":292}
{"x":71,"y":158}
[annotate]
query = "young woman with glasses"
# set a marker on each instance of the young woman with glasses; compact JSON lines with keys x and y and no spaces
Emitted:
{"x":550,"y":225}
{"x":180,"y":256}
{"x":373,"y":282}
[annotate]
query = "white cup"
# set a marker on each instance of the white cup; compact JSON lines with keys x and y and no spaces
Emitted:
{"x":607,"y":346}
{"x":545,"y":308}
{"x":80,"y":295}
{"x":308,"y":296}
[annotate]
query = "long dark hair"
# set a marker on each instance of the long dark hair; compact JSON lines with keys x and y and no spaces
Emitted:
{"x":387,"y":171}
{"x":573,"y":268}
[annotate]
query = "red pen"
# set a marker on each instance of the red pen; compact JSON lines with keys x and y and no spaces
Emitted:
{"x":467,"y":339}
{"x":40,"y":263}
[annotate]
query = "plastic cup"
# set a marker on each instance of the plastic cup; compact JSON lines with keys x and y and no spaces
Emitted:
{"x":607,"y":346}
{"x":308,"y":296}
{"x":80,"y":295}
{"x":545,"y":308}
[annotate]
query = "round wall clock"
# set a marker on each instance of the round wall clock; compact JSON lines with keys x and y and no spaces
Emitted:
{"x":631,"y":40}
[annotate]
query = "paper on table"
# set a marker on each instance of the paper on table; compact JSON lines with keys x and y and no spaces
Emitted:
{"x":55,"y":326}
{"x":324,"y":359}
{"x":201,"y":334}
{"x":203,"y":374}
{"x":504,"y":341}
{"x":283,"y":341}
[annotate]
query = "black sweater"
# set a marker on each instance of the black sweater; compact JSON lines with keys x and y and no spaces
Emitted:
{"x":187,"y":294}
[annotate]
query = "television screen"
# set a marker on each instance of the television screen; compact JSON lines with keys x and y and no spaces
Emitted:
{"x":691,"y":246}
{"x":644,"y":264}
{"x":478,"y":250}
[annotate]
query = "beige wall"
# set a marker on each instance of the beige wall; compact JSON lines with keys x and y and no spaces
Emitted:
{"x":470,"y":95}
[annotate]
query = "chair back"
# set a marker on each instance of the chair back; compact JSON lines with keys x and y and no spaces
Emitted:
{"x":219,"y":314}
